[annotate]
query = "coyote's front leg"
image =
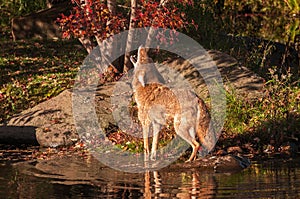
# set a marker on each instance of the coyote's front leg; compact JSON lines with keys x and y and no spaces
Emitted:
{"x":146,"y":129}
{"x":156,"y":129}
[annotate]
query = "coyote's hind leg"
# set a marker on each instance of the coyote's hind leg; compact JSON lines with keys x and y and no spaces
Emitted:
{"x":195,"y":147}
{"x":187,"y":131}
{"x":193,"y":142}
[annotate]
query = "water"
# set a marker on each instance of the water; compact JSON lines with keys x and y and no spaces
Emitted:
{"x":72,"y":177}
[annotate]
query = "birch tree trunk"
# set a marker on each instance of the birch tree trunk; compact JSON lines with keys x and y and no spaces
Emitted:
{"x":84,"y":40}
{"x":117,"y":64}
{"x":111,"y":46}
{"x":112,"y":5}
{"x":151,"y":33}
{"x":127,"y":63}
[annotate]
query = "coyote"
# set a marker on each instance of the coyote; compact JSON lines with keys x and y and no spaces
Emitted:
{"x":157,"y":104}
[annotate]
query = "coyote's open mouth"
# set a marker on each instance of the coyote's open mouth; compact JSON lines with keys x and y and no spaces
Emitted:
{"x":133,"y":59}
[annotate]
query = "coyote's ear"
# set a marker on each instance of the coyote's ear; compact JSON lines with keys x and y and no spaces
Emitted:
{"x":141,"y":78}
{"x":142,"y":52}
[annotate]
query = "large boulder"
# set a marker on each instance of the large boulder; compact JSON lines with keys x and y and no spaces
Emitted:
{"x":49,"y":124}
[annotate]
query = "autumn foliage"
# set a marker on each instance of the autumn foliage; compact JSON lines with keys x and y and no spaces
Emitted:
{"x":93,"y":18}
{"x":150,"y":13}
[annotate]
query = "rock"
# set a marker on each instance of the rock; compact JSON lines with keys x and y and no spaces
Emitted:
{"x":231,"y":163}
{"x":220,"y":164}
{"x":235,"y":77}
{"x":52,"y":121}
{"x":269,"y":149}
{"x":289,"y":149}
{"x":234,"y":149}
{"x":221,"y":152}
{"x":249,"y":147}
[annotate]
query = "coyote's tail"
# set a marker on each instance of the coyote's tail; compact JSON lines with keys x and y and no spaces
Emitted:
{"x":205,"y":134}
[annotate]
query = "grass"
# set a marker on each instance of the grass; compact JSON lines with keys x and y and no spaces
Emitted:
{"x":274,"y":116}
{"x":34,"y":71}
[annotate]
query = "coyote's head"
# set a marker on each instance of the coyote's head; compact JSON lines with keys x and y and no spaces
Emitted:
{"x":145,"y":71}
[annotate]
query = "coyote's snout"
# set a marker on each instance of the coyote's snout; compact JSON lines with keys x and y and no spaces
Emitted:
{"x":157,"y":104}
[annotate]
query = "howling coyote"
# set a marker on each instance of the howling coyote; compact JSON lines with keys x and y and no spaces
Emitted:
{"x":157,"y":104}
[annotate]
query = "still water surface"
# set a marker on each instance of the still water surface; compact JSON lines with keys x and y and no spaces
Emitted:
{"x":72,"y":177}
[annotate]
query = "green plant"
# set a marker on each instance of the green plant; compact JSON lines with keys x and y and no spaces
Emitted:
{"x":294,"y":5}
{"x":279,"y":108}
{"x":276,"y":113}
{"x":238,"y":114}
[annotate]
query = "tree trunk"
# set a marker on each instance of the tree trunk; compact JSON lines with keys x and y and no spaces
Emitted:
{"x":87,"y":44}
{"x":112,"y":5}
{"x":86,"y":41}
{"x":127,"y":63}
{"x":151,"y":29}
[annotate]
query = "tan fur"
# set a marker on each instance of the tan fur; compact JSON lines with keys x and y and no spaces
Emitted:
{"x":157,"y":104}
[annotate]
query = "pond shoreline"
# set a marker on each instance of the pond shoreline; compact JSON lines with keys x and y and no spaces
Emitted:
{"x":225,"y":163}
